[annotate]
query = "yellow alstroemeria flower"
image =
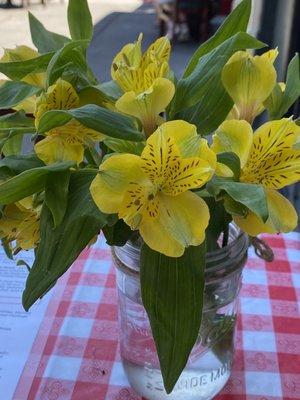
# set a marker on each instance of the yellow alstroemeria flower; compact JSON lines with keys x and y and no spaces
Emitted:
{"x":152,"y":192}
{"x":23,"y":53}
{"x":144,"y":81}
{"x":249,"y":80}
{"x":20,"y":223}
{"x":64,"y":143}
{"x":268,"y":158}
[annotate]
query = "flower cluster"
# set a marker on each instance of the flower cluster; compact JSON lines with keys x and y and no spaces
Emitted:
{"x":160,"y":162}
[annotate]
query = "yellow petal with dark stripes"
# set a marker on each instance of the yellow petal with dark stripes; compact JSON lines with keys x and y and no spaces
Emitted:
{"x":62,"y":96}
{"x":59,"y":148}
{"x":138,"y":200}
{"x":130,"y":56}
{"x":113,"y":181}
{"x":159,"y":51}
{"x":273,"y":162}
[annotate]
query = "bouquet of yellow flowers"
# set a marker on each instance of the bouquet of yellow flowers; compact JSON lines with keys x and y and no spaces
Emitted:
{"x":170,"y":163}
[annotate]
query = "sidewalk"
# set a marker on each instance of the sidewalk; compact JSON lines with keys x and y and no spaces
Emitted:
{"x":117,"y":22}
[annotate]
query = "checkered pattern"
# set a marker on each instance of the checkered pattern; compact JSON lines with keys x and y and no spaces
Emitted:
{"x":75,"y":355}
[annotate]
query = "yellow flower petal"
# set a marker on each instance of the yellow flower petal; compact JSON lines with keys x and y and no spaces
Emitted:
{"x":185,"y":136}
{"x":62,"y":96}
{"x":272,"y":160}
{"x":148,"y":105}
{"x":158,"y":51}
{"x":134,"y":72}
{"x":158,"y":238}
{"x":164,"y":166}
{"x":28,"y":233}
{"x":189,"y":173}
{"x":20,"y":223}
{"x":249,"y":81}
{"x":129,"y":56}
{"x":181,"y":222}
{"x":282,"y":217}
{"x":224,"y":171}
{"x":57,"y":147}
{"x":270,"y":55}
{"x":137,"y":200}
{"x":11,"y":218}
{"x":233,"y":136}
{"x":207,"y":154}
{"x":113,"y":180}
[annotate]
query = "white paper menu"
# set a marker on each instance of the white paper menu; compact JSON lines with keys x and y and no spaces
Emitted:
{"x":18,"y":328}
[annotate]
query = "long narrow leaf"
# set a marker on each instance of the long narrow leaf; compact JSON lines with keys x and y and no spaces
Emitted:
{"x":56,"y":194}
{"x":72,"y":54}
{"x":16,"y":70}
{"x":12,"y":93}
{"x":28,"y":182}
{"x":60,"y":247}
{"x":100,"y":119}
{"x":44,"y":40}
{"x":80,"y":20}
{"x":172,"y":293}
{"x":292,"y":89}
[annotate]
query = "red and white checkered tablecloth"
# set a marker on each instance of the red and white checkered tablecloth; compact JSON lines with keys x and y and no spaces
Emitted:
{"x":75,"y":354}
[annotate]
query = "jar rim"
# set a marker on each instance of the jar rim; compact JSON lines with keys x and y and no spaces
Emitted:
{"x":221,"y":261}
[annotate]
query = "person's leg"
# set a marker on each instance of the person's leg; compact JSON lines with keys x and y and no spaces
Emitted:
{"x":9,"y":4}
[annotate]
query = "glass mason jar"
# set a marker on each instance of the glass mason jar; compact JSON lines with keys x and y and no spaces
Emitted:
{"x":210,"y":362}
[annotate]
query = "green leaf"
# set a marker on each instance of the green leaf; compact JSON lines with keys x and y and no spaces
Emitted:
{"x":12,"y":93}
{"x":111,"y":90}
{"x":13,"y":145}
{"x":56,"y":194}
{"x":100,"y":119}
{"x":175,"y":314}
{"x":12,"y":128}
{"x":125,"y":146}
{"x":251,"y":195}
{"x":28,"y":182}
{"x":59,"y":247}
{"x":292,"y":90}
{"x":117,"y":234}
{"x":44,"y":40}
{"x":17,"y":119}
{"x":237,"y":21}
{"x":92,"y":95}
{"x":21,"y":163}
{"x":232,"y":161}
{"x":16,"y":70}
{"x":201,"y":98}
{"x":72,"y":55}
{"x":80,"y":20}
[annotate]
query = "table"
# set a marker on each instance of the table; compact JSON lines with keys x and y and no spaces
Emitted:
{"x":75,"y":354}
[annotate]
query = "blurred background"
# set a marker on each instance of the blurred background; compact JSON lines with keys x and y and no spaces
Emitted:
{"x":186,"y":22}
